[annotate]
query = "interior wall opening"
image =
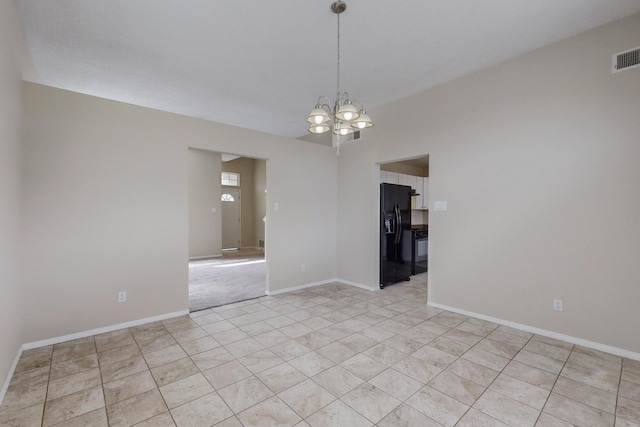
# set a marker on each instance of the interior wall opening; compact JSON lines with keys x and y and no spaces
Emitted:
{"x":227,"y":224}
{"x":404,"y":221}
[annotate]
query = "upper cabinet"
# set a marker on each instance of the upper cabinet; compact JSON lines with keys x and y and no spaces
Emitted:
{"x":393,"y":178}
{"x":422,"y":201}
{"x":417,"y":183}
{"x":390,"y":177}
{"x":409,"y":180}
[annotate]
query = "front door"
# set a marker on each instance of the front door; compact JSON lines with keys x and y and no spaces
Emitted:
{"x":230,"y":219}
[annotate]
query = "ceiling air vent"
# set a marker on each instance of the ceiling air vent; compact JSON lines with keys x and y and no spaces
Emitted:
{"x":626,"y":60}
{"x":356,"y":135}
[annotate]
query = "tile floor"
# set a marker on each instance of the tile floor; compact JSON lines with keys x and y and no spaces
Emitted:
{"x":327,"y":356}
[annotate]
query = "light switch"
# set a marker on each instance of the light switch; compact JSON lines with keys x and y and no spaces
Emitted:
{"x":213,"y":210}
{"x":276,"y":206}
{"x":439,"y":205}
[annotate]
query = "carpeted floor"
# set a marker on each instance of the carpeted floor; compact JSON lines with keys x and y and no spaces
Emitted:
{"x":232,"y":278}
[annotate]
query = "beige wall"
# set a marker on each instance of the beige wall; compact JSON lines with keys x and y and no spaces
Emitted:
{"x":538,"y":159}
{"x":259,"y":199}
{"x":205,"y":239}
{"x":244,"y":167}
{"x":11,"y":312}
{"x":106,"y":208}
{"x":204,"y":194}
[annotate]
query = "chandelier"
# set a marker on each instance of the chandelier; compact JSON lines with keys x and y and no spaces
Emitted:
{"x":343,"y":119}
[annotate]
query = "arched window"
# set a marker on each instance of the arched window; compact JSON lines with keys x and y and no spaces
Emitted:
{"x":226,"y":197}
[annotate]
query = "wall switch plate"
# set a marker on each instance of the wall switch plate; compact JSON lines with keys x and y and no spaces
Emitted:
{"x":558,"y":305}
{"x":213,"y":210}
{"x":440,"y":205}
{"x":302,"y":267}
{"x":276,"y":206}
{"x":122,"y":296}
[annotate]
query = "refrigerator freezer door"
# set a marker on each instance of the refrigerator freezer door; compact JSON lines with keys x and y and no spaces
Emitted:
{"x":395,"y":259}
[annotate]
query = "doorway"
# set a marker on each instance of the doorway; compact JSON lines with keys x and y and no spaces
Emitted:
{"x":231,"y":213}
{"x":227,"y":213}
{"x":411,"y":247}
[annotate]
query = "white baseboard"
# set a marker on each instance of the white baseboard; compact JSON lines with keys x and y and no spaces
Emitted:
{"x":322,"y":282}
{"x":297,"y":288}
{"x":5,"y":387}
{"x":568,"y":338}
{"x":204,"y":257}
{"x":357,"y":285}
{"x":84,"y":334}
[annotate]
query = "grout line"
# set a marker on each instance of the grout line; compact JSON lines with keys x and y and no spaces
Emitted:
{"x":309,"y":294}
{"x":615,"y":408}
{"x":46,"y":394}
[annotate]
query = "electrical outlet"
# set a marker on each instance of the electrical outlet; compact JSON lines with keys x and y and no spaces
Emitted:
{"x":558,"y":305}
{"x":122,"y":296}
{"x":302,"y":267}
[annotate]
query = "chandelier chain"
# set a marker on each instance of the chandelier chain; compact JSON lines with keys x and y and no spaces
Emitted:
{"x":338,"y":68}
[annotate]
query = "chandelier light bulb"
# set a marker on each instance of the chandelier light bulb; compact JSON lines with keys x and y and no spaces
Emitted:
{"x":347,"y":111}
{"x":363,"y":122}
{"x":318,"y":116}
{"x":319,"y":128}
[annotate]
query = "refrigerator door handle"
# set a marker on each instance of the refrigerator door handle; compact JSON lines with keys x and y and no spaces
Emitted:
{"x":395,"y":230}
{"x":398,"y":224}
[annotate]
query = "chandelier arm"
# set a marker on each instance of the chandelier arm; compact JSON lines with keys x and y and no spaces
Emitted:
{"x":325,"y":105}
{"x":358,"y":103}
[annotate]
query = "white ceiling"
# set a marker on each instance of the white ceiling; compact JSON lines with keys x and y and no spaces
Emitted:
{"x":262,"y":64}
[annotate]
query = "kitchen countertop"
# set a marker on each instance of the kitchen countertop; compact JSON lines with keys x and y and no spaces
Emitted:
{"x":419,"y":227}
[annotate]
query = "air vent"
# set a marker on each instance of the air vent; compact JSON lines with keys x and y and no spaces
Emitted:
{"x":356,"y":135}
{"x":626,"y":60}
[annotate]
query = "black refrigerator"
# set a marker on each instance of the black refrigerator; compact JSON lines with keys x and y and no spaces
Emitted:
{"x":395,"y":226}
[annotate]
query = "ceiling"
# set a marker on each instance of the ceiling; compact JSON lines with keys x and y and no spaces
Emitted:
{"x":263,"y":64}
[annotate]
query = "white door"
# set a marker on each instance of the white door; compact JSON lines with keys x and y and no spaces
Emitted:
{"x":230,"y":219}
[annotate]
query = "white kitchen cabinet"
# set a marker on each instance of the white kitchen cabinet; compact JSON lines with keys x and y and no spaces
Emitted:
{"x":393,"y":177}
{"x":403,"y":179}
{"x":416,"y":202}
{"x":422,"y":201}
{"x":413,"y":182}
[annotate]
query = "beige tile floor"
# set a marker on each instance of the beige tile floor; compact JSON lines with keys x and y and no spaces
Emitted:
{"x":327,"y":356}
